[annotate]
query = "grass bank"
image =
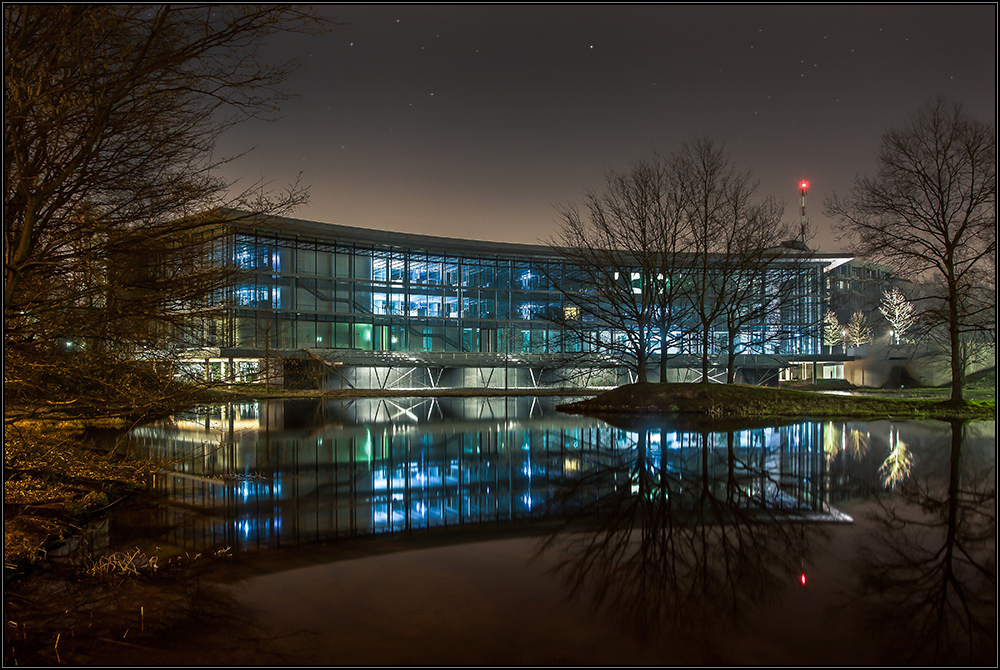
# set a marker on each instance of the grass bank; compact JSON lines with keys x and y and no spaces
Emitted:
{"x":57,"y":477}
{"x":755,"y":402}
{"x":261,"y":392}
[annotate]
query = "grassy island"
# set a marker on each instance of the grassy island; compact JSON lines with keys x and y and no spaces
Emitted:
{"x":737,"y":401}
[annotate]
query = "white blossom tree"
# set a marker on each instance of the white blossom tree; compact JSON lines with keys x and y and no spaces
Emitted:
{"x":858,"y":330}
{"x":834,"y":332}
{"x":899,"y":312}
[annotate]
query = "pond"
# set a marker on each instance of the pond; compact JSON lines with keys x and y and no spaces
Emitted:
{"x":500,"y":531}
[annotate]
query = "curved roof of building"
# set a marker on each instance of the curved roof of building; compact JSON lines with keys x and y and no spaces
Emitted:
{"x":318,"y":231}
{"x":332,"y":232}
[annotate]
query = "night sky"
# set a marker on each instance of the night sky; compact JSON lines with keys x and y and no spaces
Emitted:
{"x":478,"y":121}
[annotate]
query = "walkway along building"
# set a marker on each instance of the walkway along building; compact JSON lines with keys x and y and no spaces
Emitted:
{"x":335,"y":306}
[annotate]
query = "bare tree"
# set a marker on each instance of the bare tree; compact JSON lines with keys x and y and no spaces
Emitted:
{"x":672,"y":247}
{"x":763,"y":277}
{"x":726,"y":228}
{"x":612,"y":258}
{"x":111,"y":116}
{"x":930,"y":211}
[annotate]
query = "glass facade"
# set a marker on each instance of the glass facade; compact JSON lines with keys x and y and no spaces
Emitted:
{"x":349,"y":296}
{"x":423,"y":294}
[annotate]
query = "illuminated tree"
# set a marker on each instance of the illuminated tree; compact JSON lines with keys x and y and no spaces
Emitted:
{"x":858,"y":330}
{"x":899,"y":312}
{"x":930,"y":211}
{"x":833,"y":332}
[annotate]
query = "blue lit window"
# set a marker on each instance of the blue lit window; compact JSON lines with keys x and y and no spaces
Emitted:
{"x":252,"y":295}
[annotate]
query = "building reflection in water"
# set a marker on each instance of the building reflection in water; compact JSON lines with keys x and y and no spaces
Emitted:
{"x":711,"y":525}
{"x":694,"y":552}
{"x":686,"y":530}
{"x":265,"y":474}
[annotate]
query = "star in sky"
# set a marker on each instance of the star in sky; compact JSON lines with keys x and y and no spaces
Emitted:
{"x":520,"y":124}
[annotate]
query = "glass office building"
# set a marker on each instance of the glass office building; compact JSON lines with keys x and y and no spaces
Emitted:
{"x":375,"y":291}
{"x":366,"y":299}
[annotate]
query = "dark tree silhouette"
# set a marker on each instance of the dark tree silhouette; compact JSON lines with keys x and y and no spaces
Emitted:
{"x":930,"y":211}
{"x":612,"y":252}
{"x":672,"y":249}
{"x":111,"y":115}
{"x":729,"y":232}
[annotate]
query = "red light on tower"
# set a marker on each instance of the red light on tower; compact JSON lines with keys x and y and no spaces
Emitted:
{"x":803,"y":188}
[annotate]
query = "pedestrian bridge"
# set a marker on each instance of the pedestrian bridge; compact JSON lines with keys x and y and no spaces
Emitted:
{"x":358,"y":368}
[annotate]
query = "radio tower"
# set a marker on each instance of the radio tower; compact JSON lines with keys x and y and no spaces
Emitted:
{"x":803,"y":189}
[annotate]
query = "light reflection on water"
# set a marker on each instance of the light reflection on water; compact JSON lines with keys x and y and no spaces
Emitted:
{"x":686,"y":528}
{"x":274,"y":473}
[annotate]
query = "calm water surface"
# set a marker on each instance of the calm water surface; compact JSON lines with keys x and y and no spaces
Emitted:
{"x":499,"y":531}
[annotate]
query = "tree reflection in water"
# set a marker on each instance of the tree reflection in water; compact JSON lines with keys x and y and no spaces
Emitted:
{"x":694,"y":541}
{"x":927,"y":566}
{"x":686,"y":531}
{"x":689,"y":542}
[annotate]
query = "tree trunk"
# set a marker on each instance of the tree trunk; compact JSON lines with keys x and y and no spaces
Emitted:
{"x":663,"y":354}
{"x":640,"y":365}
{"x":957,"y":361}
{"x":731,"y":356}
{"x":704,"y":356}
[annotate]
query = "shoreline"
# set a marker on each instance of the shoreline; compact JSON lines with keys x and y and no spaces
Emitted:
{"x":690,"y":401}
{"x":177,"y":583}
{"x":735,"y":401}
